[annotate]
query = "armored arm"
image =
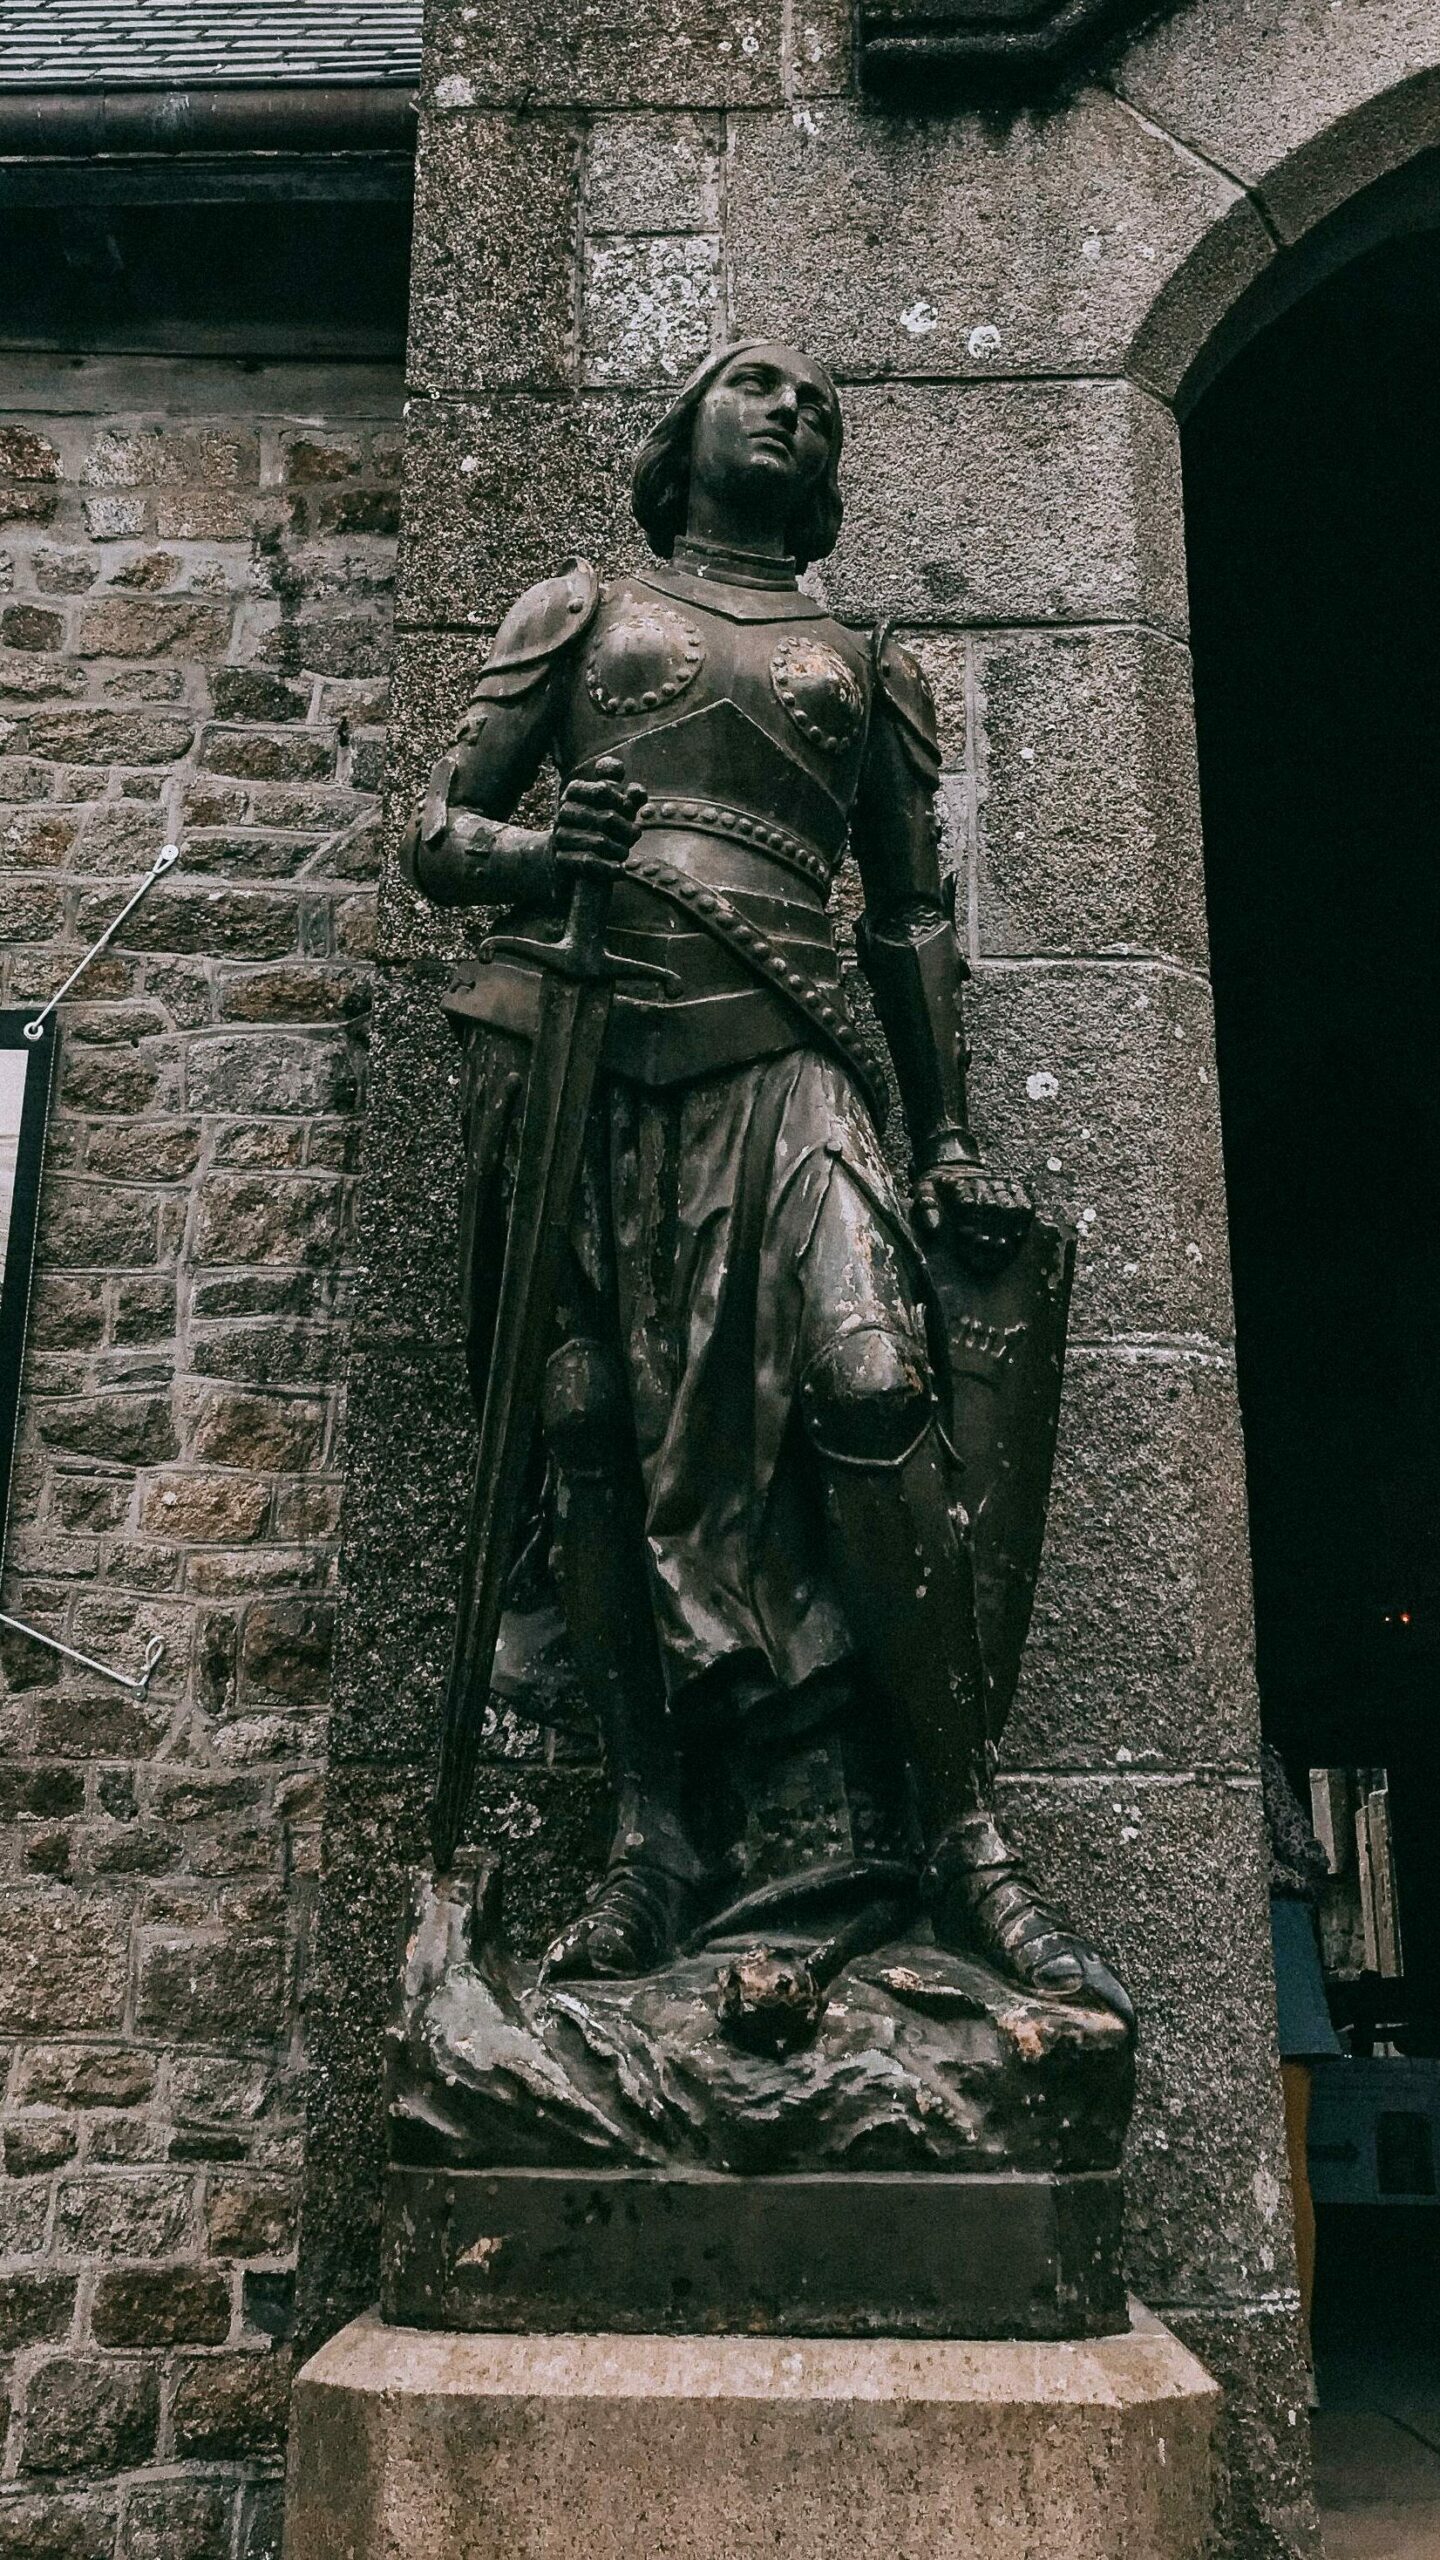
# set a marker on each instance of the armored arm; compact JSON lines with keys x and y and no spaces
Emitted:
{"x":912,"y":959}
{"x":462,"y":849}
{"x":906,"y":938}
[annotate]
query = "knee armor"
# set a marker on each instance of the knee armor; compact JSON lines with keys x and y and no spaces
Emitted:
{"x":583,"y":1411}
{"x":867,"y":1398}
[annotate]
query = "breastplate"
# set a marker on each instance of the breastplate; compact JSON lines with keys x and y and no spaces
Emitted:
{"x":742,"y":714}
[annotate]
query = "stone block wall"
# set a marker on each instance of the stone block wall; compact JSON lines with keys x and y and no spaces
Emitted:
{"x":195,"y":573}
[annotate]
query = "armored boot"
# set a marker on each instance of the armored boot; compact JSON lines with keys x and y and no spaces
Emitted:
{"x":902,"y":1559}
{"x":636,"y":1914}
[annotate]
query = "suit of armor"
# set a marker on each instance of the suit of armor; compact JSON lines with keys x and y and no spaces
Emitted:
{"x":753,"y":1501}
{"x":765,"y":736}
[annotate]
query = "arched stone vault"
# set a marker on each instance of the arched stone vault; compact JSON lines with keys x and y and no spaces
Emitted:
{"x":1302,"y":109}
{"x":1013,"y":305}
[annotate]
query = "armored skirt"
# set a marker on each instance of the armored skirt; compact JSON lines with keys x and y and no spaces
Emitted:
{"x":727,"y":1231}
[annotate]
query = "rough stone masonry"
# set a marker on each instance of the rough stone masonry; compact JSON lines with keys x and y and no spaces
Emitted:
{"x":195,"y":575}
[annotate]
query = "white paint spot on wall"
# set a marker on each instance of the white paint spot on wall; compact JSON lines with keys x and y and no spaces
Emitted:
{"x":455,"y":90}
{"x":1093,"y":248}
{"x":1042,"y":1086}
{"x":1265,"y":2188}
{"x":806,"y":121}
{"x":984,"y":341}
{"x":920,"y":318}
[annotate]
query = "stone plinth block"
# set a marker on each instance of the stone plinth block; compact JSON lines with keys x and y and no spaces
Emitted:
{"x":406,"y":2444}
{"x":1005,"y":2255}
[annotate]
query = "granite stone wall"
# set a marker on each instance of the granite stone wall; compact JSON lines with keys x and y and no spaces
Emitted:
{"x":1011,"y":304}
{"x":196,"y":563}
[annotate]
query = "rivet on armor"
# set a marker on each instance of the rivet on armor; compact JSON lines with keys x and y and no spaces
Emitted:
{"x":644,"y":654}
{"x":818,"y":690}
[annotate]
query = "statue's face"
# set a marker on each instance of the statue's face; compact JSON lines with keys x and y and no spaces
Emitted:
{"x":764,"y":428}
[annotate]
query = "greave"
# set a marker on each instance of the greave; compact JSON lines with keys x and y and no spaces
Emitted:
{"x":903,"y":1565}
{"x":598,"y":1556}
{"x":905,"y":1570}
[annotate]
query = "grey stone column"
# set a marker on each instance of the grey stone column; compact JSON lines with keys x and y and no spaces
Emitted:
{"x":597,"y":200}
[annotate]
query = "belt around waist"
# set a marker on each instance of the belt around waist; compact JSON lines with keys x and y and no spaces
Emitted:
{"x":741,"y":827}
{"x":670,"y":1041}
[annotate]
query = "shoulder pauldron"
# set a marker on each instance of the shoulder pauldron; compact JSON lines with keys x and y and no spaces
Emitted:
{"x":904,"y":686}
{"x":546,"y":620}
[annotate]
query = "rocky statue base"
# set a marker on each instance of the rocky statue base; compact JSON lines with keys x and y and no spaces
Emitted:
{"x":931,"y":2153}
{"x":408,"y":2444}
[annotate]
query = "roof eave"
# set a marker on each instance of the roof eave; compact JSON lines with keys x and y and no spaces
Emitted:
{"x":82,"y":121}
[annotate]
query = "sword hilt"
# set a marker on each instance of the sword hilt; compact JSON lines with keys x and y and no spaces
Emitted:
{"x":581,"y":951}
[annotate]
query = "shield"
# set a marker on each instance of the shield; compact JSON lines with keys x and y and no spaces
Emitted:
{"x":1006,"y":1338}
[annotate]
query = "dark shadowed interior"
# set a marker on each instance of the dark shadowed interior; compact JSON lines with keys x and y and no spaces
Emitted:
{"x":316,"y":272}
{"x":1313,"y":505}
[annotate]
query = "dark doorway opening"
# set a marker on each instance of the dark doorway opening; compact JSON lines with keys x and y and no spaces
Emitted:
{"x":1313,"y":515}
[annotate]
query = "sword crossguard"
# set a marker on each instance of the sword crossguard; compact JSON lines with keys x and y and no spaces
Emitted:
{"x":573,"y":957}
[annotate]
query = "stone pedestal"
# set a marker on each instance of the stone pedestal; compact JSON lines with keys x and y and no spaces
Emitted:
{"x":549,"y":2250}
{"x":409,"y":2445}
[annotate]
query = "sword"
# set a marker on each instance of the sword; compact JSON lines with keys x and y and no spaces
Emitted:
{"x":577,"y":979}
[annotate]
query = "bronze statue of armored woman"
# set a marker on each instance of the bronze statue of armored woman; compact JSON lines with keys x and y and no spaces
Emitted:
{"x":770,"y":1434}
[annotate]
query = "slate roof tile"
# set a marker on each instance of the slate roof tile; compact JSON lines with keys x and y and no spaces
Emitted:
{"x":163,"y":44}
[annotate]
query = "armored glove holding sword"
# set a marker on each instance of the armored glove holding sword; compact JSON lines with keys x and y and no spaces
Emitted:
{"x":765,"y":1393}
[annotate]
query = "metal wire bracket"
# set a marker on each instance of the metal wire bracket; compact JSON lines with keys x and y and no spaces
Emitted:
{"x":165,"y":860}
{"x":122,"y":1679}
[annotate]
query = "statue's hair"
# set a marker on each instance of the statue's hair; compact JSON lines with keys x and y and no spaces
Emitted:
{"x":661,"y":486}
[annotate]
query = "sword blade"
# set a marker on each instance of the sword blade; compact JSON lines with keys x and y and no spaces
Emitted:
{"x":564,"y":1064}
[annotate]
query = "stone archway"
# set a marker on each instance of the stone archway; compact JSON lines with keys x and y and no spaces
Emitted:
{"x":1302,"y":109}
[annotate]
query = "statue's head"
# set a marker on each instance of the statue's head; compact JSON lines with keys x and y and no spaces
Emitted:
{"x":759,"y":425}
